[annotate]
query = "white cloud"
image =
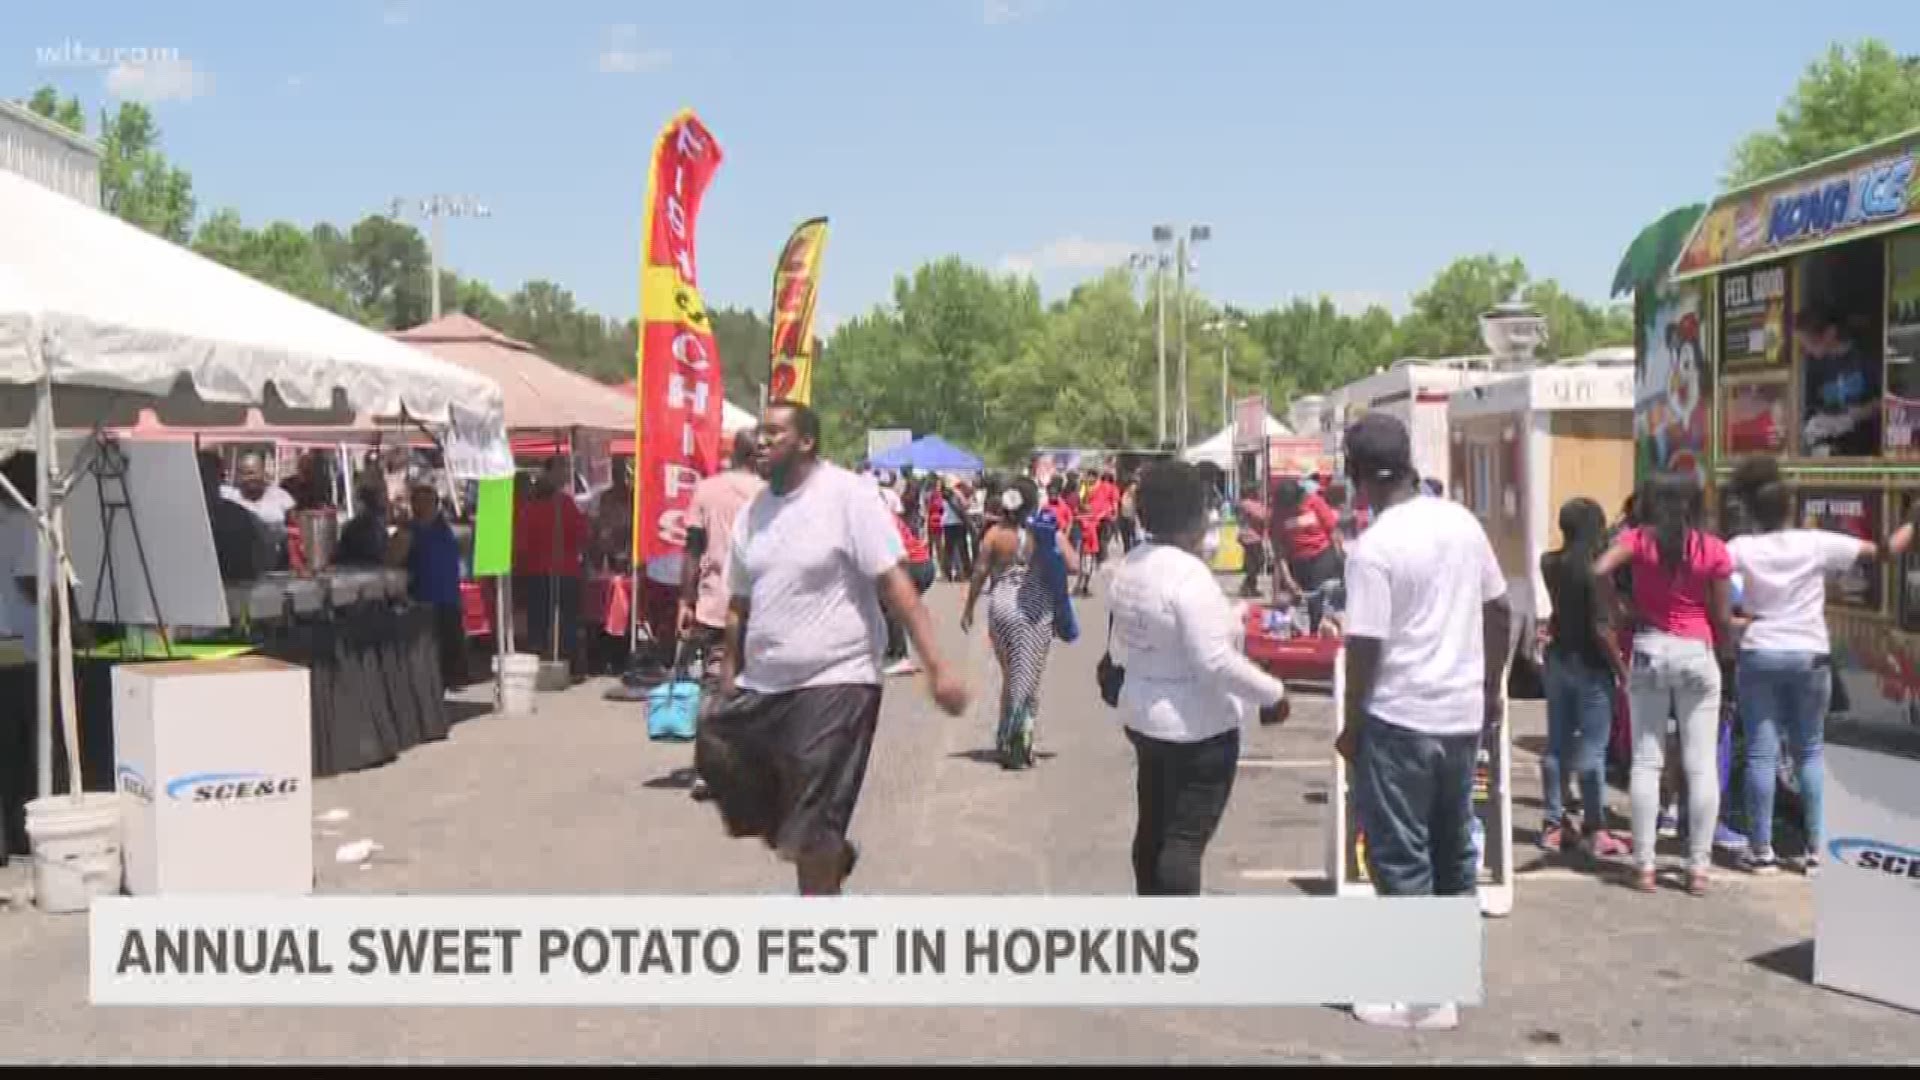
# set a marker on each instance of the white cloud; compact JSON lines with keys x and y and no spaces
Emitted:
{"x":1069,"y":253}
{"x":396,"y":14}
{"x":1002,"y":12}
{"x":624,"y":56}
{"x":163,"y":79}
{"x":295,"y":82}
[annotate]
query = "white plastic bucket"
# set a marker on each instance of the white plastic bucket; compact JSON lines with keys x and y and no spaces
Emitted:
{"x":519,"y":674}
{"x":76,"y":849}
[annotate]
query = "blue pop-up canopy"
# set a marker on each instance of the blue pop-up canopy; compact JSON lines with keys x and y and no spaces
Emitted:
{"x":929,"y":453}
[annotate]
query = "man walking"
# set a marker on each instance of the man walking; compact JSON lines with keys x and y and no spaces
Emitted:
{"x":1426,"y":639}
{"x":716,"y":503}
{"x":816,"y":557}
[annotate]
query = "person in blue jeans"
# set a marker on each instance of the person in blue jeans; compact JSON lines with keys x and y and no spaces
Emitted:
{"x":1426,"y":637}
{"x":1583,"y":672}
{"x":1784,"y":671}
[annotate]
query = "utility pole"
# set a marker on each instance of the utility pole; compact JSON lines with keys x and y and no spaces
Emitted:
{"x":1158,"y":260}
{"x":1195,"y":235}
{"x":434,"y":208}
{"x":1222,"y":326}
{"x":1180,"y":298}
{"x":1160,"y":342}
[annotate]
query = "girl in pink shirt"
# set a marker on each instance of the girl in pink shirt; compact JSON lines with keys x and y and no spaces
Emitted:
{"x":1683,"y":612}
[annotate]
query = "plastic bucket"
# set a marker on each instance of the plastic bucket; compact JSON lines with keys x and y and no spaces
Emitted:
{"x":76,"y":849}
{"x":672,"y":709}
{"x":519,"y":674}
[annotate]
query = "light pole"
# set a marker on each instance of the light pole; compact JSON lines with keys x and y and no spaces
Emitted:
{"x":1159,"y":259}
{"x":1221,"y":326}
{"x":434,"y":208}
{"x":1195,"y":235}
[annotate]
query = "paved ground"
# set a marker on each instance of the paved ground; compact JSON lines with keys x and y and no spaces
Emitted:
{"x":577,"y":800}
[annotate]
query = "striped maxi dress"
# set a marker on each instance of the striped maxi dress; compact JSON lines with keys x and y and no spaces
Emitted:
{"x":1020,"y":625}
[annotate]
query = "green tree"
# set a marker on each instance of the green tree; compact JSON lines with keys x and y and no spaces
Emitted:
{"x":922,"y":361}
{"x":744,"y":340}
{"x":1445,"y":320}
{"x":382,"y":265}
{"x":136,"y":181}
{"x":66,"y":112}
{"x":1575,"y":327}
{"x":1083,"y":377}
{"x":1845,"y":99}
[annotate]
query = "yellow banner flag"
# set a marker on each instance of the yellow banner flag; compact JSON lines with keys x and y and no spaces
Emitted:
{"x":796,"y":285}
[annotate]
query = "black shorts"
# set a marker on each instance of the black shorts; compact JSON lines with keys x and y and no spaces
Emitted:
{"x":788,"y":768}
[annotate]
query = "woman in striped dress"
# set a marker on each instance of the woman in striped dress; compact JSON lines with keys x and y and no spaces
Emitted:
{"x":1019,"y":612}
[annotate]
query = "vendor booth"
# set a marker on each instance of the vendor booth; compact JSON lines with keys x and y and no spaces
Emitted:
{"x":1788,"y":324}
{"x":1523,"y":445}
{"x":100,"y":320}
{"x":550,"y":411}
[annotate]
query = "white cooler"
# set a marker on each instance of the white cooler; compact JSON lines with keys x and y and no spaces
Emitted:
{"x":214,"y":760}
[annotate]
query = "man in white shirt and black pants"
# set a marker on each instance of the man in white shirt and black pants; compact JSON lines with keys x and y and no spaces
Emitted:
{"x":816,"y":557}
{"x":1426,"y":642}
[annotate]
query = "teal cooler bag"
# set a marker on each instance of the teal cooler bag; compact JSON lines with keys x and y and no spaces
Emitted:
{"x":673,"y":707}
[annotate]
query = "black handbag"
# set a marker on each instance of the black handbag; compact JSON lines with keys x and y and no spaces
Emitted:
{"x":1112,"y":676}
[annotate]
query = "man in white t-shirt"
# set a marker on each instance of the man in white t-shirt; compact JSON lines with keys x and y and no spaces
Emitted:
{"x":1426,"y":632}
{"x":269,"y":502}
{"x":815,"y":557}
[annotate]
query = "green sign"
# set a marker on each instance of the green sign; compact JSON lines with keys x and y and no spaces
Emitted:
{"x":493,"y":529}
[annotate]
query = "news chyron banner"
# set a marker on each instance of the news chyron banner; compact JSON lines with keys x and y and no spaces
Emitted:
{"x":677,"y":421}
{"x":796,"y":285}
{"x":1090,"y":951}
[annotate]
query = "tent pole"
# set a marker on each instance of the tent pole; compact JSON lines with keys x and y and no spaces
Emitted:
{"x":43,"y":580}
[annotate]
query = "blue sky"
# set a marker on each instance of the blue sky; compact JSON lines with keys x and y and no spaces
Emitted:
{"x":1350,"y":149}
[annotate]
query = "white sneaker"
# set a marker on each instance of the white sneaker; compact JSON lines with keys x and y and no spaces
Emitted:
{"x":903,"y":667}
{"x":1410,"y":1017}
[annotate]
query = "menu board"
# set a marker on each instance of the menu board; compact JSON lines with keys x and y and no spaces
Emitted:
{"x":1753,"y":315}
{"x":1857,"y":514}
{"x":1757,"y":418}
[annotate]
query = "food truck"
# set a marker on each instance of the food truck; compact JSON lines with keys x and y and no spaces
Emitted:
{"x":1788,"y":324}
{"x":1414,"y":390}
{"x":1523,"y":445}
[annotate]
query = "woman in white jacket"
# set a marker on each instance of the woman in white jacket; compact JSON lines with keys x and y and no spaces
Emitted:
{"x":1187,"y":685}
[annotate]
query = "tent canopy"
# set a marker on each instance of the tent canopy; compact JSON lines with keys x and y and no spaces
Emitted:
{"x":126,"y":320}
{"x":539,"y":393}
{"x":1219,"y":449}
{"x":929,"y":453}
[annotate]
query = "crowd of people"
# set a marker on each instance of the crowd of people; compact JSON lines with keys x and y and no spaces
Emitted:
{"x":1685,"y":636}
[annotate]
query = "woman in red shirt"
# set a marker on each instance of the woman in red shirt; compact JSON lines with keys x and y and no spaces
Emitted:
{"x":921,"y":570}
{"x":1683,"y":608}
{"x":1305,"y":533}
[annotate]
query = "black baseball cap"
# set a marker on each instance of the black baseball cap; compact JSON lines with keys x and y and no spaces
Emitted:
{"x":1378,"y":448}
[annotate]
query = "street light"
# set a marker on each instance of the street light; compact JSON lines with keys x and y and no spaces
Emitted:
{"x":1221,"y":326}
{"x":1197,"y":234}
{"x":1158,"y":260}
{"x":434,"y":208}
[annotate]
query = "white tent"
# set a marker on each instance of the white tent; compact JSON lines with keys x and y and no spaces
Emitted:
{"x":1219,"y":449}
{"x":125,"y":319}
{"x":99,"y":319}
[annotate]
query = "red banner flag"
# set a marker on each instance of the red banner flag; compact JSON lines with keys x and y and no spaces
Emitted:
{"x":681,"y":396}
